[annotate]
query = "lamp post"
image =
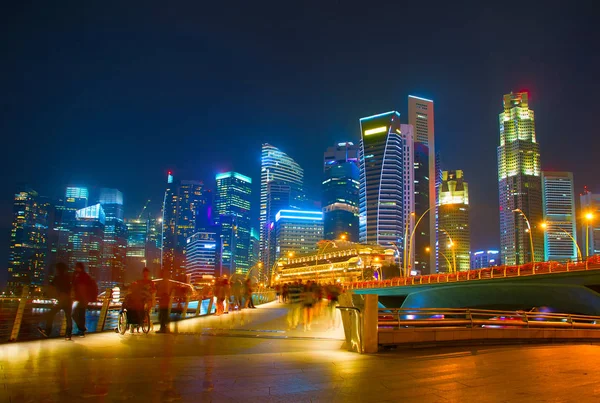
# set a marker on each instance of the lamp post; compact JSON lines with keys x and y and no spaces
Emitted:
{"x":518,"y":210}
{"x":588,"y":218}
{"x":546,"y":225}
{"x":447,"y":260}
{"x":451,"y":245}
{"x":412,"y":234}
{"x":404,"y":260}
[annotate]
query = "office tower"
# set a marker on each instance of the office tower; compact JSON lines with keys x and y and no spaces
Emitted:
{"x":154,"y":246}
{"x":28,"y":241}
{"x":278,"y":173}
{"x":590,"y":223}
{"x":65,"y":220}
{"x":114,"y":253}
{"x":180,"y":210}
{"x":200,"y":254}
{"x":340,"y":188}
{"x":86,"y":241}
{"x":297,"y":231}
{"x":76,"y":197}
{"x":234,"y":192}
{"x":519,"y":182}
{"x":560,"y":231}
{"x":386,"y":181}
{"x":137,"y":237}
{"x":254,"y":249}
{"x":421,"y":117}
{"x":206,"y":212}
{"x":483,"y":259}
{"x":453,"y":223}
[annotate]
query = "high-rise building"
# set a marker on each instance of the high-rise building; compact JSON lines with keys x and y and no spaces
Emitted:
{"x":281,"y":174}
{"x":254,"y":249}
{"x":560,"y":228}
{"x":180,"y":211}
{"x":65,"y":221}
{"x":86,"y":242}
{"x":137,"y":237}
{"x":114,"y":253}
{"x":201,"y":256}
{"x":234,"y":192}
{"x":340,"y":187}
{"x":297,"y":231}
{"x":421,"y":117}
{"x":519,"y":182}
{"x":386,"y":181}
{"x":454,"y":233}
{"x":485,"y":258}
{"x":590,"y":223}
{"x":28,"y":241}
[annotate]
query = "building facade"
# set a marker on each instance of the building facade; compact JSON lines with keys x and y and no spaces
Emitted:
{"x":201,"y":256}
{"x":181,"y":204}
{"x":28,"y":241}
{"x":233,"y":203}
{"x":519,"y":182}
{"x":590,"y":224}
{"x":297,"y":232}
{"x":421,"y":117}
{"x":340,"y":190}
{"x":86,"y":242}
{"x":560,"y":226}
{"x":454,"y":231}
{"x":114,"y":253}
{"x":282,"y":175}
{"x":386,"y":181}
{"x":485,"y":258}
{"x":137,"y":236}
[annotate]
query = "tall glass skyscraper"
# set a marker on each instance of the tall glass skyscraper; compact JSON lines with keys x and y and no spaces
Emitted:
{"x":560,"y":235}
{"x":386,"y":180}
{"x":421,"y":117}
{"x":86,"y":241}
{"x":180,"y":210}
{"x":201,"y":255}
{"x":519,"y":182}
{"x":454,"y":232}
{"x":340,"y":191}
{"x":114,"y":253}
{"x":65,"y":221}
{"x":234,"y":192}
{"x":278,"y":171}
{"x":28,"y":241}
{"x":297,"y":231}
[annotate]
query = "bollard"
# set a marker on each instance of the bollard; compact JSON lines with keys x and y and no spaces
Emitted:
{"x":104,"y":310}
{"x":19,"y":317}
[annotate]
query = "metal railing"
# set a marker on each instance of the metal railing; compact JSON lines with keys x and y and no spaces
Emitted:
{"x":402,"y":318}
{"x":592,"y":263}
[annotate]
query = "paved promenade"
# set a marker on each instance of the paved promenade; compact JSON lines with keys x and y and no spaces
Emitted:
{"x":251,"y":357}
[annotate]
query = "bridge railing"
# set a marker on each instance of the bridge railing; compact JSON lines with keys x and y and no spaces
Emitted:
{"x":592,"y":263}
{"x":404,"y":318}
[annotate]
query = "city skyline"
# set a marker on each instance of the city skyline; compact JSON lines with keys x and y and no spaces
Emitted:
{"x":111,"y":101}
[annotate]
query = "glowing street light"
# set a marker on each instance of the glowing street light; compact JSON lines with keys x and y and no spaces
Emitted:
{"x":518,"y":210}
{"x":545,"y":227}
{"x":451,"y":246}
{"x":588,"y":219}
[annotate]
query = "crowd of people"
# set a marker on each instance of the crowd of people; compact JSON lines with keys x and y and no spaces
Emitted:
{"x":309,"y":300}
{"x":233,"y":294}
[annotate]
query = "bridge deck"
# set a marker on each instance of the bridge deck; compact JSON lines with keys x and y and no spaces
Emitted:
{"x":197,"y":363}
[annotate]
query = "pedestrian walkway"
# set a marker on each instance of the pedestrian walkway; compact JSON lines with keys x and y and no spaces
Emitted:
{"x":197,"y":363}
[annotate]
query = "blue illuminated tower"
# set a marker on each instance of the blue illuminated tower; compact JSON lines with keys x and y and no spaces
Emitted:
{"x":114,"y":253}
{"x":297,"y":231}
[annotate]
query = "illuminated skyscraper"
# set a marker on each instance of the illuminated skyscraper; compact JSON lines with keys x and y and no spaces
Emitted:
{"x":340,"y":192}
{"x":65,"y":221}
{"x":483,"y":259}
{"x":519,"y":182}
{"x":453,"y":233}
{"x":386,"y":180}
{"x":560,"y":232}
{"x":137,"y":236}
{"x":114,"y":253}
{"x":28,"y":241}
{"x":234,"y":192}
{"x":421,"y":117}
{"x":86,"y":242}
{"x":180,"y":210}
{"x":297,"y":231}
{"x":278,"y":171}
{"x":201,"y":255}
{"x":590,"y":224}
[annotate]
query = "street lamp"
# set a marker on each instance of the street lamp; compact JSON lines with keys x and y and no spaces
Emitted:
{"x":545,"y":227}
{"x":412,"y":234}
{"x":451,"y":245}
{"x":518,"y":210}
{"x":588,"y":217}
{"x":447,"y":260}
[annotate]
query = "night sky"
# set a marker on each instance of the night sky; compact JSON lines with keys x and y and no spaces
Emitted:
{"x":116,"y":95}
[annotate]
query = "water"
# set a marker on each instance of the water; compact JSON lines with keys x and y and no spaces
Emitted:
{"x":35,"y":316}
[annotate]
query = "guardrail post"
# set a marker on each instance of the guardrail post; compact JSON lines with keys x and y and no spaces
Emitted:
{"x":504,"y":271}
{"x":185,"y":307}
{"x":104,"y":310}
{"x":19,"y":317}
{"x":370,"y":323}
{"x":470,"y":317}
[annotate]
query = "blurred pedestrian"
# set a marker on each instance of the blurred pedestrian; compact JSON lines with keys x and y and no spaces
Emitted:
{"x":164,"y":292}
{"x":333,"y":293}
{"x":308,"y":299}
{"x":86,"y":291}
{"x":248,"y":294}
{"x":61,"y":285}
